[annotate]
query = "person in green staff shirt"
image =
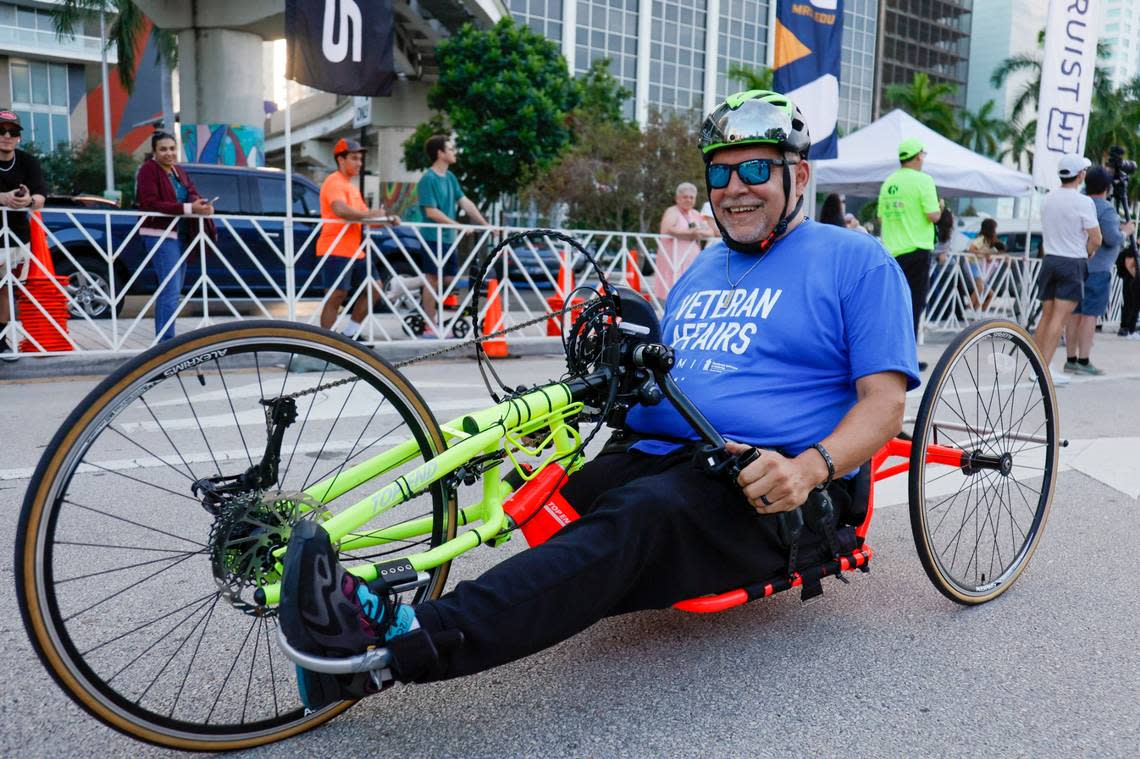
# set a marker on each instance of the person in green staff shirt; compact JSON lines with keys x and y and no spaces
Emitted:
{"x":908,"y":208}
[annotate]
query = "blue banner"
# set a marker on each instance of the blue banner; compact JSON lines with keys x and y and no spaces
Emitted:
{"x":809,"y":48}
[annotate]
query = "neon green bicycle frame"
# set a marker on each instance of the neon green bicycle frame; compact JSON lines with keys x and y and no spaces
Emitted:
{"x":488,"y":431}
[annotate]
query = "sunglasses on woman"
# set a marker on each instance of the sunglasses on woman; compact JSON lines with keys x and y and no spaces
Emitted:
{"x":753,"y":171}
{"x":9,"y":132}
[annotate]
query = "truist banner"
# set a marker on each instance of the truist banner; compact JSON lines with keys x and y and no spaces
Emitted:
{"x":341,"y":46}
{"x":809,"y":48}
{"x":1071,"y":33}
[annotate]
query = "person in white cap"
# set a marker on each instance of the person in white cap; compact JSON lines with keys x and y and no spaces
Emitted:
{"x":1071,"y":235}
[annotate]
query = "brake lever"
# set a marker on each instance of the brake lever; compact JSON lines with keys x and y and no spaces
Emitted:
{"x":789,"y":524}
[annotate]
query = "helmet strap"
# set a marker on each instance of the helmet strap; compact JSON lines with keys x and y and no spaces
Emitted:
{"x":777,"y":231}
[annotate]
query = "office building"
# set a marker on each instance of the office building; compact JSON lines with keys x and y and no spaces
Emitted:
{"x":1011,"y":28}
{"x":54,"y":84}
{"x":1120,"y":32}
{"x":924,"y":36}
{"x":673,"y":59}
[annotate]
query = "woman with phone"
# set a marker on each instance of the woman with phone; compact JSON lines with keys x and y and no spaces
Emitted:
{"x":162,"y":186}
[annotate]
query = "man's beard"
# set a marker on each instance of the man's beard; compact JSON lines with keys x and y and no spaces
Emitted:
{"x":750,"y":233}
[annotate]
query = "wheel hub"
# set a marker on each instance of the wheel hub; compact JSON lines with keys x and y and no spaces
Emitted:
{"x":1006,"y":464}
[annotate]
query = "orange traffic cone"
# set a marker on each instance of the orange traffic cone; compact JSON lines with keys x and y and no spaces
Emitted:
{"x":46,"y":298}
{"x":493,"y":322}
{"x":451,"y":301}
{"x":40,"y":251}
{"x":633,"y":271}
{"x":565,"y":277}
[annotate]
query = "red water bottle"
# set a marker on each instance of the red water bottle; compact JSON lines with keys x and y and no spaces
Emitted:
{"x":538,"y":507}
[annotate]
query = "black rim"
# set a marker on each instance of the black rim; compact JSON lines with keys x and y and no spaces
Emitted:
{"x":981,"y":522}
{"x":159,"y":640}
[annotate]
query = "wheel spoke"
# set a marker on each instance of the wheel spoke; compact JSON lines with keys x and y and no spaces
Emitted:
{"x":154,"y":485}
{"x":233,"y":411}
{"x":201,"y":429}
{"x":133,"y":522}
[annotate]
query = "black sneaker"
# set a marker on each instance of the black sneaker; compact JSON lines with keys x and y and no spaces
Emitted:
{"x":6,"y":353}
{"x":922,"y":366}
{"x":326,"y":611}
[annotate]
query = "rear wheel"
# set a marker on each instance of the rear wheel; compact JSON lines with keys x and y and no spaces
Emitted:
{"x":977,"y":525}
{"x":137,"y":594}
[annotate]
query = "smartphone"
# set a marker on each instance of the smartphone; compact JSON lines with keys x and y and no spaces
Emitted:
{"x":215,"y":199}
{"x":21,"y":191}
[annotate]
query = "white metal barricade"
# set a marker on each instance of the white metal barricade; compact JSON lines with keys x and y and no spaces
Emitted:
{"x":104,"y":298}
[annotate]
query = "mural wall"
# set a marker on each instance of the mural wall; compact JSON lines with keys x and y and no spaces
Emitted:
{"x":227,"y":144}
{"x":400,"y":199}
{"x":133,"y":114}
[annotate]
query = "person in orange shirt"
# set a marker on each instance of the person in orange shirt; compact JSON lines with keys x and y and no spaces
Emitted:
{"x":347,"y":268}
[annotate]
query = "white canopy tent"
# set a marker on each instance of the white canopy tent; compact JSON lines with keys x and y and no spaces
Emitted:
{"x":868,"y":156}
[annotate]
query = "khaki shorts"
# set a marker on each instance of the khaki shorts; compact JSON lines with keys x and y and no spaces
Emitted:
{"x":19,"y":258}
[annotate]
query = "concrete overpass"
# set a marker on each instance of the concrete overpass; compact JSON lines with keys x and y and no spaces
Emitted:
{"x":222,"y":79}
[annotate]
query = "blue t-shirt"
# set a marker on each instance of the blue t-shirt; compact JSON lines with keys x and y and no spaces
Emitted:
{"x":180,"y":190}
{"x":773,"y":361}
{"x":1111,"y":238}
{"x":444,"y":193}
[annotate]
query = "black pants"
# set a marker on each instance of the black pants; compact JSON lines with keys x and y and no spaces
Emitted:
{"x":654,"y":531}
{"x":1131,"y":305}
{"x":916,"y":269}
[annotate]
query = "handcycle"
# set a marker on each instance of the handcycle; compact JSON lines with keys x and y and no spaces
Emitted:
{"x":150,"y":544}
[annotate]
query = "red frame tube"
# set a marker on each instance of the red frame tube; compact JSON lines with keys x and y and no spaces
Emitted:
{"x":895,"y":448}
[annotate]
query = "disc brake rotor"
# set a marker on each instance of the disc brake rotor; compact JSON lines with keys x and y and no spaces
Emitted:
{"x":247,"y":532}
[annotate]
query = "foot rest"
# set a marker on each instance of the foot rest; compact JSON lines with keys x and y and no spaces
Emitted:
{"x":377,"y":658}
{"x":857,"y":559}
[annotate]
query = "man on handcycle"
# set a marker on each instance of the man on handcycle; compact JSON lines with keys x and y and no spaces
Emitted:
{"x":790,"y":336}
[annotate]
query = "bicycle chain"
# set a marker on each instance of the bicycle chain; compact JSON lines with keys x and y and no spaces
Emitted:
{"x":442,"y":351}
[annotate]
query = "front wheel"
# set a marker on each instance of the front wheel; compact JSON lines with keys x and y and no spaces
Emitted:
{"x":139,"y":593}
{"x":977,"y":522}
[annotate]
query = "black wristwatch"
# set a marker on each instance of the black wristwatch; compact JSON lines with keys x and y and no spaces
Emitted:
{"x":830,"y":465}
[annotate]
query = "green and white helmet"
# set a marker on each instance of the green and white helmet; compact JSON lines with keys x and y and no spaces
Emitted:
{"x":756,"y":116}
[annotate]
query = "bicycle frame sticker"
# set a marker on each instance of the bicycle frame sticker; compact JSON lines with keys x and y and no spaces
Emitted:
{"x":195,"y":361}
{"x":404,"y":488}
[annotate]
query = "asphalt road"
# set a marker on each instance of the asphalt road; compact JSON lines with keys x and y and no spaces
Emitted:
{"x":884,"y":666}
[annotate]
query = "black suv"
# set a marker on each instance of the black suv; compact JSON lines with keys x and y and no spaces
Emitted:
{"x":252,"y":252}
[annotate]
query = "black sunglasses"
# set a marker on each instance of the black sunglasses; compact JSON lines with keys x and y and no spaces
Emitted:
{"x":753,"y":171}
{"x":10,"y":132}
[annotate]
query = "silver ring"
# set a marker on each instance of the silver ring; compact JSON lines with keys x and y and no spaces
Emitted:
{"x":764,"y":500}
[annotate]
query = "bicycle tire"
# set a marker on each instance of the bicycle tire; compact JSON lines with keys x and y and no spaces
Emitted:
{"x":66,"y":533}
{"x":1005,"y":504}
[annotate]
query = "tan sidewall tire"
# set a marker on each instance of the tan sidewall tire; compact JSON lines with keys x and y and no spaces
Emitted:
{"x":32,"y":522}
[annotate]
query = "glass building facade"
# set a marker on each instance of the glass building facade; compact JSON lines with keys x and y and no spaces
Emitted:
{"x":677,"y":57}
{"x":930,"y":36}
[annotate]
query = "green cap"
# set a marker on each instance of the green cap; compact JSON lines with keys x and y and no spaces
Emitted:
{"x":909,"y":148}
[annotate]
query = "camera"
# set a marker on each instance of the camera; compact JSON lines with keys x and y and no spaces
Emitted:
{"x":1119,"y":164}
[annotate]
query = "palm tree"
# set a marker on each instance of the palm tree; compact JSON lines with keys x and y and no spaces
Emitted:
{"x":1115,"y":120}
{"x":127,"y":24}
{"x":759,"y":78}
{"x":1020,"y":144}
{"x":982,"y":131}
{"x":1023,"y":63}
{"x":929,"y":102}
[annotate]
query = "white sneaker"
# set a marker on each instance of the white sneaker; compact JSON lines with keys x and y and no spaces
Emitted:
{"x":1134,"y":336}
{"x":1059,"y":378}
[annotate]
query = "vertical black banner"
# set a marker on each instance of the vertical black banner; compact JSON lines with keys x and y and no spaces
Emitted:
{"x":341,"y":46}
